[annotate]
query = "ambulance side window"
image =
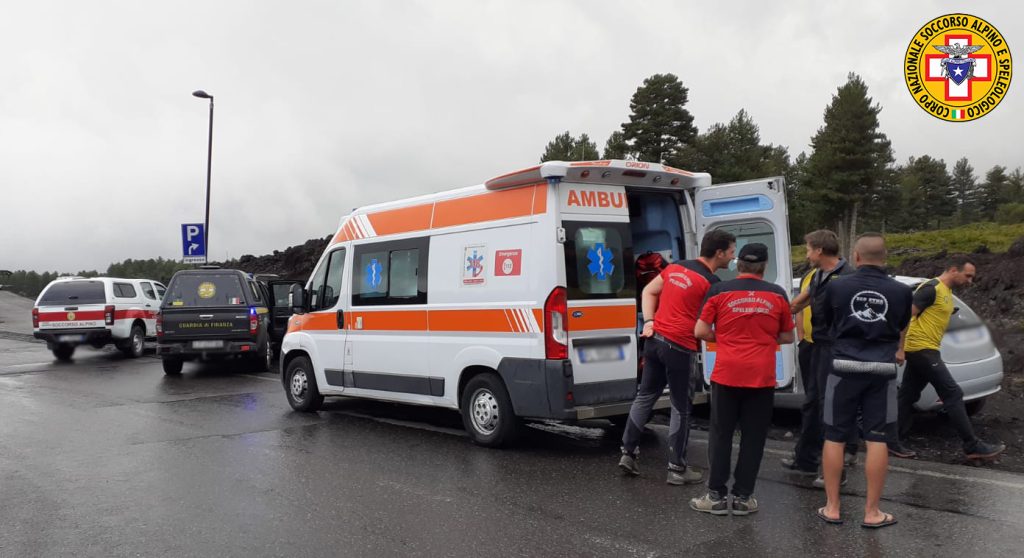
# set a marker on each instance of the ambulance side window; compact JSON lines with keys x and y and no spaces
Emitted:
{"x":316,"y":287}
{"x":389,"y":273}
{"x":598,"y":260}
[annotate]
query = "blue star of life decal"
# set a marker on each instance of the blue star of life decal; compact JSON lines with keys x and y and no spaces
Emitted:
{"x":374,"y":275}
{"x":475,"y":264}
{"x":601,"y":262}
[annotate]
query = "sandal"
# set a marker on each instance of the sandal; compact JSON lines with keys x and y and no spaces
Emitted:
{"x":827,"y":519}
{"x":888,"y":519}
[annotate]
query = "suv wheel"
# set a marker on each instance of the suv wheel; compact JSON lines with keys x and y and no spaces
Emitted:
{"x":135,"y":345}
{"x":487,"y":411}
{"x":172,"y":366}
{"x":63,"y":351}
{"x":265,"y":358}
{"x":300,"y":385}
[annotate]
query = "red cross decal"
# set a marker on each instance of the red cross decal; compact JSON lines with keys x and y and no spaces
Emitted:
{"x":964,"y":91}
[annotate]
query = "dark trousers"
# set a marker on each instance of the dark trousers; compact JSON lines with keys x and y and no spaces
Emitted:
{"x":923,"y":368}
{"x":751,"y":409}
{"x":812,"y":431}
{"x":664,"y":364}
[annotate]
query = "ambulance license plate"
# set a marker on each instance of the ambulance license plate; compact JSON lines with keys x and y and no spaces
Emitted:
{"x":208,"y":344}
{"x":70,"y":338}
{"x":601,"y":354}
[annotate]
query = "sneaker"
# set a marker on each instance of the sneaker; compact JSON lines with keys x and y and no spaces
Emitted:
{"x":630,"y":464}
{"x":983,"y":450}
{"x":743,"y":506}
{"x":849,"y":460}
{"x":791,"y":465}
{"x":710,"y":503}
{"x":686,"y":475}
{"x":820,"y":481}
{"x":897,"y":449}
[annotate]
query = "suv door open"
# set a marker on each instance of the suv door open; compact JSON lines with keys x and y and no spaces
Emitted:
{"x":754,"y":211}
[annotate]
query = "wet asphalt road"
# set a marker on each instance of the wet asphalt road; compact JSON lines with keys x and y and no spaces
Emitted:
{"x":106,"y":456}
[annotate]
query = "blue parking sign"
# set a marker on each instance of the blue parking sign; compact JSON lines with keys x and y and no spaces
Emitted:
{"x":193,"y":243}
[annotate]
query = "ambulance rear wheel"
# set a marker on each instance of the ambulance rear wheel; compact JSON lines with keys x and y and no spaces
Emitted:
{"x":172,"y":366}
{"x":487,"y":411}
{"x":300,"y":385}
{"x":63,"y":351}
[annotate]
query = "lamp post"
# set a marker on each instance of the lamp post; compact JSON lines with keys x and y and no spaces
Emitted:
{"x":209,"y":161}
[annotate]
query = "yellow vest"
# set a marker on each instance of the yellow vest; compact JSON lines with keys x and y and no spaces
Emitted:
{"x":926,"y":330}
{"x":806,"y":313}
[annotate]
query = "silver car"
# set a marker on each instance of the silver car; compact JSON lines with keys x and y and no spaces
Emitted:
{"x":969,"y":353}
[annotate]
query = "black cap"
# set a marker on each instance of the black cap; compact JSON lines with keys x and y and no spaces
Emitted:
{"x":755,"y":252}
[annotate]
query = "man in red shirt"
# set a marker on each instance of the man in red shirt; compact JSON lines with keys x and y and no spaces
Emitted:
{"x":671,"y":303}
{"x":751,"y":317}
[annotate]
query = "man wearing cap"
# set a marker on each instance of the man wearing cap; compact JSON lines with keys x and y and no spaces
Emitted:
{"x":751,"y":317}
{"x":671,"y":303}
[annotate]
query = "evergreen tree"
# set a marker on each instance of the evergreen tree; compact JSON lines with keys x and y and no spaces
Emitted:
{"x":928,"y":195}
{"x":659,"y":124}
{"x":851,"y":163}
{"x":965,"y":191}
{"x":733,"y":152}
{"x":993,"y":192}
{"x":567,"y":148}
{"x":616,"y":147}
{"x":1014,"y":192}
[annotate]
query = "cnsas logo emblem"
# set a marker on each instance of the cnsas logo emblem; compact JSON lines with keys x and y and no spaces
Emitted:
{"x":958,"y":67}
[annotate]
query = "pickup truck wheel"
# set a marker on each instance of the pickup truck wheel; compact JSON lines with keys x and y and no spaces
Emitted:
{"x":265,"y":358}
{"x":172,"y":366}
{"x":136,"y":343}
{"x":300,"y":385}
{"x":487,"y":411}
{"x":63,"y":351}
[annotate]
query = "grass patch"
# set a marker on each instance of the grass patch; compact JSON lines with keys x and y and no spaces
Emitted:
{"x":967,"y":238}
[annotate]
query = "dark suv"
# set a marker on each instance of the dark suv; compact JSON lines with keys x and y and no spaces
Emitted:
{"x":216,"y":313}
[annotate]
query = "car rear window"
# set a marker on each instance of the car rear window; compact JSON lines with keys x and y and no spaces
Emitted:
{"x":73,"y":292}
{"x":222,"y":289}
{"x":598,"y":260}
{"x":964,"y":318}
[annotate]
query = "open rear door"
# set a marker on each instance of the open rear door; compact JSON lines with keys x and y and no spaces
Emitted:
{"x":754,"y":211}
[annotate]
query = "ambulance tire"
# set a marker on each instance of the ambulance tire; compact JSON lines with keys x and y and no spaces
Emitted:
{"x":300,"y":386}
{"x":135,"y":345}
{"x":172,"y":366}
{"x":63,"y":351}
{"x":487,"y":411}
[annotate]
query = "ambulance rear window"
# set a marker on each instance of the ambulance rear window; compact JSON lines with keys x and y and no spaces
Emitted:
{"x":73,"y":293}
{"x":222,"y":289}
{"x":598,"y":260}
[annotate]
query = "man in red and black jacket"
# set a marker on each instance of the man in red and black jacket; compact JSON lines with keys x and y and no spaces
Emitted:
{"x":671,"y":303}
{"x":751,"y":317}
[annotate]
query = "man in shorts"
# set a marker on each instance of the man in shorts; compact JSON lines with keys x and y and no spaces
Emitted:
{"x":867,"y":314}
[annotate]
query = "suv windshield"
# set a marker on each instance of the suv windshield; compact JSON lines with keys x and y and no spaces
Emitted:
{"x":73,"y":292}
{"x":215,"y":289}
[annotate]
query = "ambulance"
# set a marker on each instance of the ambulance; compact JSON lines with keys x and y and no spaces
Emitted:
{"x":515,"y":299}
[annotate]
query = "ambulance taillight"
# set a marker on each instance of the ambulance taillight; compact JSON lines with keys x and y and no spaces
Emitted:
{"x":108,"y":315}
{"x":35,"y":317}
{"x":556,"y":325}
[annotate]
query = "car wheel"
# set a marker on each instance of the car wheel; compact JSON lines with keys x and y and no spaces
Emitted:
{"x":64,"y":351}
{"x":487,"y":411}
{"x":300,"y":385}
{"x":975,"y":407}
{"x":265,"y":358}
{"x":135,"y":345}
{"x":172,"y":366}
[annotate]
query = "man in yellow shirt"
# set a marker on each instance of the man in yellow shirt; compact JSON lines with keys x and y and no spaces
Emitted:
{"x":933,"y":307}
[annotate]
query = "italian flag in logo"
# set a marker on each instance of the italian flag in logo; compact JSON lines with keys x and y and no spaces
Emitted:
{"x":957,"y":114}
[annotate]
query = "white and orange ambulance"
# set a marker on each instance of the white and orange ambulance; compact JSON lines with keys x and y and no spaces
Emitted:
{"x":514,"y":299}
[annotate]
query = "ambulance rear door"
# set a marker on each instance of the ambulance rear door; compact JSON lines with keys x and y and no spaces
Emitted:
{"x":754,"y":211}
{"x":601,"y":291}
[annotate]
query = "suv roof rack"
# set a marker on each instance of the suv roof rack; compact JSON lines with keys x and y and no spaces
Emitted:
{"x":209,"y":266}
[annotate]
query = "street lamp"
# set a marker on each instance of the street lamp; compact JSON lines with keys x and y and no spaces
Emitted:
{"x":209,"y":161}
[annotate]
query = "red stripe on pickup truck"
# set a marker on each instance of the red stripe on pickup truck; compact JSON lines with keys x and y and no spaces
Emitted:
{"x":86,"y":316}
{"x":129,"y":314}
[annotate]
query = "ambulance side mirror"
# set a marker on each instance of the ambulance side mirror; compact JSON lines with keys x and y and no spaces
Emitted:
{"x":297,"y":299}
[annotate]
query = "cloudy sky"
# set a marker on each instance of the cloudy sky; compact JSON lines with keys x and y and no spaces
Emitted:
{"x":322,"y":106}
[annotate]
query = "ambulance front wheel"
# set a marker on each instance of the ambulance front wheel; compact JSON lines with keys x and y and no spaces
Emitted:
{"x":487,"y":411}
{"x":300,"y":385}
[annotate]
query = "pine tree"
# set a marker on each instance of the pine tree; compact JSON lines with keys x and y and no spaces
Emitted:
{"x":965,"y":190}
{"x":659,"y":124}
{"x":993,"y":192}
{"x":928,"y":195}
{"x":851,"y":163}
{"x":567,"y":148}
{"x":733,"y":152}
{"x":616,"y":147}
